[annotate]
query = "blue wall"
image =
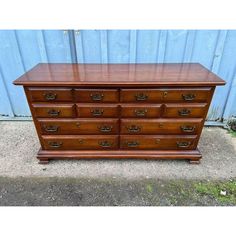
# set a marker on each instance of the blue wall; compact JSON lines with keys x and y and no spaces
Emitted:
{"x":20,"y":50}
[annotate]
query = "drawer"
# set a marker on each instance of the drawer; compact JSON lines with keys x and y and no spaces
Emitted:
{"x":187,"y":94}
{"x":166,"y":95}
{"x":140,"y":95}
{"x":54,"y":111}
{"x":80,"y":142}
{"x":96,"y":111}
{"x":184,"y":110}
{"x":79,"y":126}
{"x":50,"y":94}
{"x":158,"y":142}
{"x":161,"y":126}
{"x":140,"y":111}
{"x":96,"y":95}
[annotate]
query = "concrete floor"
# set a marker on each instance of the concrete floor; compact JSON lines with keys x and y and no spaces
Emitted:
{"x":19,"y":145}
{"x":105,"y":182}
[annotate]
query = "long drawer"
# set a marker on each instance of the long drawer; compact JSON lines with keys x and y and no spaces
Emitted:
{"x":79,"y":126}
{"x":158,"y":142}
{"x":165,"y":95}
{"x":80,"y":142}
{"x":160,"y":126}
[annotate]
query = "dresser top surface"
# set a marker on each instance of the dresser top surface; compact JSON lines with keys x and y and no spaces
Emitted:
{"x":125,"y":75}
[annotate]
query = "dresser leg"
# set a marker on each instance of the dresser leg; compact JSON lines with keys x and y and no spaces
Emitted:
{"x":194,"y":161}
{"x":43,"y":161}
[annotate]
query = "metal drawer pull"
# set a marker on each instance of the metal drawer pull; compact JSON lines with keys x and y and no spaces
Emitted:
{"x":133,"y":128}
{"x":81,"y":141}
{"x":51,"y":128}
{"x":188,"y":97}
{"x":132,"y":143}
{"x":141,"y":97}
{"x":188,"y":129}
{"x":97,"y":112}
{"x":53,"y":112}
{"x":50,"y":96}
{"x":183,"y":144}
{"x":97,"y":96}
{"x":55,"y":144}
{"x":105,"y":144}
{"x":105,"y":129}
{"x":140,"y":112}
{"x":184,"y":112}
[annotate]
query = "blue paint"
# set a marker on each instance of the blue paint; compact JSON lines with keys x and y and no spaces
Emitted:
{"x":20,"y":50}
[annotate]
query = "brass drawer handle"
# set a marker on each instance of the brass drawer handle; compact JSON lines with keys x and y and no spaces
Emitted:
{"x":53,"y":112}
{"x":188,"y":129}
{"x":50,"y":96}
{"x":97,"y":112}
{"x":55,"y":144}
{"x":97,"y":96}
{"x":188,"y":97}
{"x":105,"y":129}
{"x":132,"y":143}
{"x":184,"y":112}
{"x":133,"y":128}
{"x":141,"y":97}
{"x":140,"y":112}
{"x":51,"y":128}
{"x":105,"y":144}
{"x":183,"y":144}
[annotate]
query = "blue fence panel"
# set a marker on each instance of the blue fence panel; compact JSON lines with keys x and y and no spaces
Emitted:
{"x":23,"y":49}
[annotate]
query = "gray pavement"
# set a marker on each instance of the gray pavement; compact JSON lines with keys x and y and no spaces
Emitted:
{"x":23,"y":182}
{"x":19,"y":145}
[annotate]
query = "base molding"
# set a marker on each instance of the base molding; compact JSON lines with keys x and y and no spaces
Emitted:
{"x":193,"y":155}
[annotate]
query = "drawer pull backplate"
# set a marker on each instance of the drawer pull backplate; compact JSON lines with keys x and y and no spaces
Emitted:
{"x":188,"y":97}
{"x":50,"y":96}
{"x":183,"y":144}
{"x":53,"y":112}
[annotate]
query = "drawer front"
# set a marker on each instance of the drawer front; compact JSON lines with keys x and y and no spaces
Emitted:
{"x":158,"y":142}
{"x":50,"y":94}
{"x":184,"y":110}
{"x":140,"y":111}
{"x":80,"y":142}
{"x":160,"y":126}
{"x":186,"y":95}
{"x":97,"y":111}
{"x":166,"y":95}
{"x":79,"y":126}
{"x":140,"y":95}
{"x":54,"y":111}
{"x":96,"y":95}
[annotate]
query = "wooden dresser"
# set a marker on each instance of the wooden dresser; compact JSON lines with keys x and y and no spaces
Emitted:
{"x":150,"y":111}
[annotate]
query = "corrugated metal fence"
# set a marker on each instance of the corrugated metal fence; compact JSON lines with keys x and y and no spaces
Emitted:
{"x":20,"y":50}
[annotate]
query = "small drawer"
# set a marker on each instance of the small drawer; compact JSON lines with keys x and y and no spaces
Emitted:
{"x":80,"y":142}
{"x":96,"y":95}
{"x":140,"y":111}
{"x":141,"y":95}
{"x":97,"y":111}
{"x":158,"y":142}
{"x":160,"y":126}
{"x":184,"y":110}
{"x":50,"y":94}
{"x":187,"y":95}
{"x":79,"y":126}
{"x":54,"y":111}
